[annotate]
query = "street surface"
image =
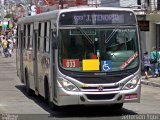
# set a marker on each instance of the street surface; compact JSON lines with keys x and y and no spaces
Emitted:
{"x":15,"y":104}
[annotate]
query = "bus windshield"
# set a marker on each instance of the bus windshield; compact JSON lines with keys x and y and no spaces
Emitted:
{"x":98,"y":49}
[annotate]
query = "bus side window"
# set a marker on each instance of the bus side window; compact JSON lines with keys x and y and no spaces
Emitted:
{"x":39,"y":36}
{"x":28,"y":36}
{"x":18,"y":36}
{"x":24,"y":37}
{"x":42,"y":38}
{"x":30,"y":45}
{"x":46,"y":36}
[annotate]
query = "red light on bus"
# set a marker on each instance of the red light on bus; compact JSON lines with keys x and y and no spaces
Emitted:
{"x":130,"y":96}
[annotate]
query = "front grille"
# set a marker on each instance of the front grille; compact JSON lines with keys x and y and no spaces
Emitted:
{"x":100,"y":79}
{"x":100,"y":96}
{"x":93,"y":88}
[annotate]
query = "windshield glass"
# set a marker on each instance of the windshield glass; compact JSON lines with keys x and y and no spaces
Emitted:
{"x":98,"y":49}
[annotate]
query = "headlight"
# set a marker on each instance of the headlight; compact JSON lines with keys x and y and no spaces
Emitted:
{"x":131,"y":84}
{"x":67,"y":85}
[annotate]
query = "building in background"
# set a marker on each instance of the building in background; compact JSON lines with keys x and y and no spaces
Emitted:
{"x":94,"y":3}
{"x":149,"y":23}
{"x":49,"y":5}
{"x":118,"y":3}
{"x":128,"y":3}
{"x":110,"y":3}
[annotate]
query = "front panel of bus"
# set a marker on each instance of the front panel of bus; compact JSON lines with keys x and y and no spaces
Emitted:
{"x":98,"y":58}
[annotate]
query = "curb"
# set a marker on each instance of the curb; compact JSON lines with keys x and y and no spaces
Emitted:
{"x":150,"y":83}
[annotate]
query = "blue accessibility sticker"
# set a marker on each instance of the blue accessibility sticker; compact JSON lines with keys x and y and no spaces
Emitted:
{"x":106,"y":65}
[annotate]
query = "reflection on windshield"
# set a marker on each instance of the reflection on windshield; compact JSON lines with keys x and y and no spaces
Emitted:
{"x":111,"y":35}
{"x":100,"y":50}
{"x":85,"y":34}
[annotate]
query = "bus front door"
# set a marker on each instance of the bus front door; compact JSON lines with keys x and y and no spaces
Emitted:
{"x":35,"y":66}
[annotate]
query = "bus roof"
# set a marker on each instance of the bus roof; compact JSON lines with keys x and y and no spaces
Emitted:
{"x":54,"y":14}
{"x":86,"y":8}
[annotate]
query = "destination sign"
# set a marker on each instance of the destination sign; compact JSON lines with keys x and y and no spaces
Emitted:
{"x":97,"y":18}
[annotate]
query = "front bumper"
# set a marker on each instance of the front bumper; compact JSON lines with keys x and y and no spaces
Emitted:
{"x":97,"y":98}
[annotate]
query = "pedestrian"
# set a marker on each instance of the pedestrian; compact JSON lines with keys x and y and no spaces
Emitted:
{"x":159,"y":61}
{"x":10,"y":46}
{"x":5,"y":47}
{"x":153,"y":61}
{"x":146,"y":61}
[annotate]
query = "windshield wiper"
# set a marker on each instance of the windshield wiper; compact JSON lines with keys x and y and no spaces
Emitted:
{"x":85,"y":35}
{"x":112,"y":34}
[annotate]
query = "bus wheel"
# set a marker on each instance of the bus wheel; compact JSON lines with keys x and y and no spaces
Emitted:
{"x":118,"y":106}
{"x":28,"y":90}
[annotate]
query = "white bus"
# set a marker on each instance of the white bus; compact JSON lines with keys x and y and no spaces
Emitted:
{"x":81,"y":56}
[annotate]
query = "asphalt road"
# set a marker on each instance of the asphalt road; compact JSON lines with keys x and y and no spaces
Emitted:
{"x":16,"y":105}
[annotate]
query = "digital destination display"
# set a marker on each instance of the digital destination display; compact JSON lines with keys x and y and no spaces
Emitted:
{"x":96,"y":18}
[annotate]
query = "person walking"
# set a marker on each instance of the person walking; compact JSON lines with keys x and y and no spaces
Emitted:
{"x":146,"y":61}
{"x":153,"y":60}
{"x":5,"y":47}
{"x":10,"y":46}
{"x":159,"y":61}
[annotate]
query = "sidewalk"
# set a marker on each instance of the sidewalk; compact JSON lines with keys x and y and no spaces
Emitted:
{"x":11,"y":59}
{"x":151,"y":81}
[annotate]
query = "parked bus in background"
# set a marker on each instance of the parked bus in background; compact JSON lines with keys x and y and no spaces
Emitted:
{"x":81,"y":56}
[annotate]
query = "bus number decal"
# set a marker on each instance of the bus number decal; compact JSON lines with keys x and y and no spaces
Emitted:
{"x":70,"y":63}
